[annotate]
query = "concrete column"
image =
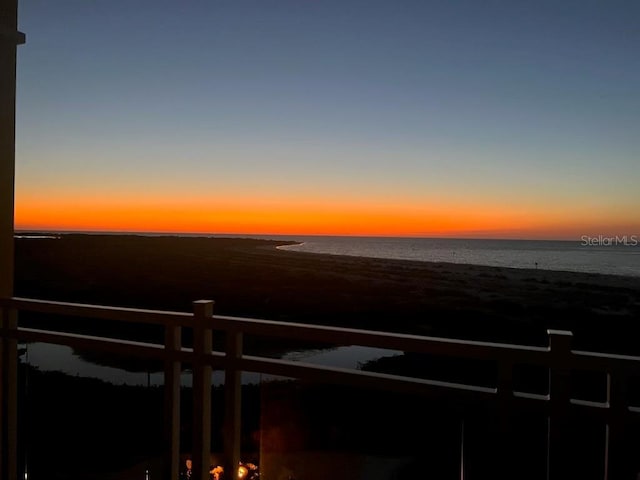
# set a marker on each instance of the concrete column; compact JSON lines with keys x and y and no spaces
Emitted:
{"x":10,"y":38}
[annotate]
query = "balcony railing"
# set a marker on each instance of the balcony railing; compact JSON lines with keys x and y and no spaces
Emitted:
{"x":615,"y":413}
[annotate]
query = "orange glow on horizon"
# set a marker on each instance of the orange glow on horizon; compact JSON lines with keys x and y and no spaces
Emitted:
{"x":308,"y":217}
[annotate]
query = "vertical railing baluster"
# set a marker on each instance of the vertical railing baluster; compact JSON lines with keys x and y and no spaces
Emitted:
{"x":616,"y":465}
{"x":233,"y":403}
{"x":202,"y":344}
{"x":560,"y":350}
{"x":172,"y":370}
{"x":462,"y":454}
{"x":505,"y":404}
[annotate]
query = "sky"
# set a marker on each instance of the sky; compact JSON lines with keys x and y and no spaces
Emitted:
{"x":491,"y":119}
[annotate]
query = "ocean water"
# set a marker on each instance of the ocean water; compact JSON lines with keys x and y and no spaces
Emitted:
{"x":606,"y":255}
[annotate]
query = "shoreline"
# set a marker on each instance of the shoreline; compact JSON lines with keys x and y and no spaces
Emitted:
{"x":286,"y":242}
{"x":534,"y":265}
{"x":434,"y":263}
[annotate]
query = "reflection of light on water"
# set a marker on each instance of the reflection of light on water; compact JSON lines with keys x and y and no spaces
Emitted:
{"x":60,"y":358}
{"x":352,"y":356}
{"x":50,"y":357}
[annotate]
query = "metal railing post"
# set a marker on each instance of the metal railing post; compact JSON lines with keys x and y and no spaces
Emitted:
{"x":202,"y":345}
{"x":233,"y":403}
{"x":172,"y":370}
{"x":505,"y":417}
{"x":559,"y":371}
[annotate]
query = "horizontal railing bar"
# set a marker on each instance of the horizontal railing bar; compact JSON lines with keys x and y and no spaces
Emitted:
{"x":380,"y":339}
{"x":119,"y":314}
{"x":596,"y":410}
{"x":112,"y":345}
{"x":589,"y":403}
{"x":217,"y":359}
{"x":600,"y":410}
{"x":604,"y":362}
{"x":307,"y":371}
{"x":286,"y":368}
{"x":531,"y":402}
{"x":531,"y":396}
{"x":118,"y":346}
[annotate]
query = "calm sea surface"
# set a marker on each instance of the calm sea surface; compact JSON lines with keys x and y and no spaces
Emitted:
{"x":603,"y":255}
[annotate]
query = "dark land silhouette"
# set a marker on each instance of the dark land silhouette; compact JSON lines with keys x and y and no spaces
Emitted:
{"x":248,"y":277}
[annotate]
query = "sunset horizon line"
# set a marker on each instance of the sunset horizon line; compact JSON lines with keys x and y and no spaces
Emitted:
{"x":444,"y":236}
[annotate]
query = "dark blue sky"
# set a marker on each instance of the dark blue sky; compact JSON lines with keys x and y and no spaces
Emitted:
{"x":528,"y":105}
